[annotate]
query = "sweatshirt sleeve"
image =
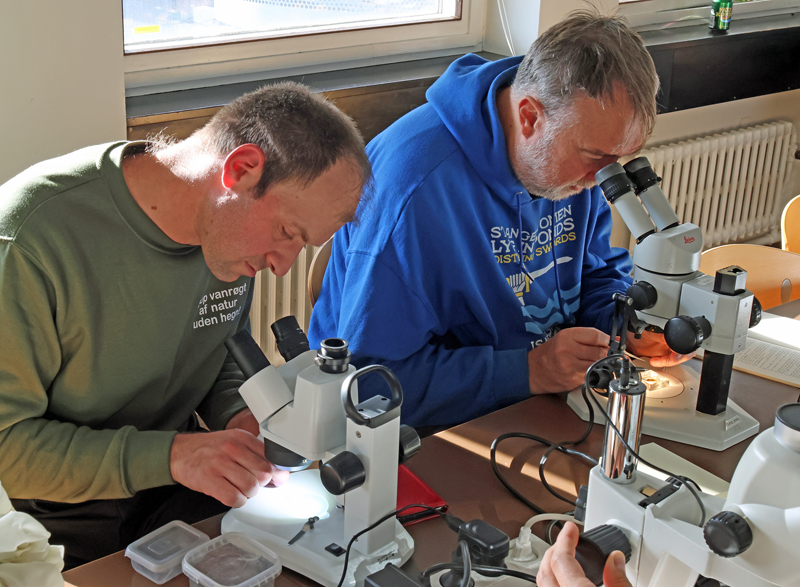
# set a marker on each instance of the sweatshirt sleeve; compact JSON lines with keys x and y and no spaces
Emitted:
{"x":42,"y":457}
{"x":606,"y":269}
{"x":387,"y":321}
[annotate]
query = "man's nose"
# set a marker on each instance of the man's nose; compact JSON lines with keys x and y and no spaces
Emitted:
{"x":284,"y":259}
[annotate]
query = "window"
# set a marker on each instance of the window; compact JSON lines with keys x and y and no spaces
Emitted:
{"x":195,"y":43}
{"x":647,"y":15}
{"x":151,"y":25}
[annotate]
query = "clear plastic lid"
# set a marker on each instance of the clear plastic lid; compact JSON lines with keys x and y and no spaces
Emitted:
{"x":232,"y":560}
{"x":164,"y":548}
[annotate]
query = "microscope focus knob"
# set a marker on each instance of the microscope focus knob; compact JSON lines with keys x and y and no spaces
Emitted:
{"x":410,"y":443}
{"x":728,"y":534}
{"x":685,"y":334}
{"x":342,"y":473}
{"x":595,"y":545}
{"x":643,"y":294}
{"x":755,"y":313}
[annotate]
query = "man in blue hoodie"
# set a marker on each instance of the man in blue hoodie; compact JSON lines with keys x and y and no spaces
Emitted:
{"x":481,"y":271}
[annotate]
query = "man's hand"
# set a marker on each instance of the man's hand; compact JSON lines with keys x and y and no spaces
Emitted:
{"x":560,"y":364}
{"x":227,"y":465}
{"x":244,"y":420}
{"x":653,"y":345}
{"x":559,"y":567}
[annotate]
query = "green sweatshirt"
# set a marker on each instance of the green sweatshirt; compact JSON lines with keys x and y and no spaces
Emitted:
{"x":112,"y":334}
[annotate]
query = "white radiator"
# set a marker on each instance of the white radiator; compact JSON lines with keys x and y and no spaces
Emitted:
{"x":732,"y":185}
{"x":276,"y":297}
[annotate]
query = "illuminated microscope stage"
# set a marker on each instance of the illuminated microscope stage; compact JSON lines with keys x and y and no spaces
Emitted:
{"x":276,"y":515}
{"x":669,"y":411}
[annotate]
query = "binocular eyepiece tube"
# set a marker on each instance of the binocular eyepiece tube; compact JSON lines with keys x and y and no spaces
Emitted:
{"x":621,"y":185}
{"x":619,"y":190}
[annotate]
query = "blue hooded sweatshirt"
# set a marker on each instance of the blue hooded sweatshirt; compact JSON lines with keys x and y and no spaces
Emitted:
{"x":454,"y":272}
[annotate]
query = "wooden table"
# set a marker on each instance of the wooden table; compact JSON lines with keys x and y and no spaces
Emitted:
{"x":455,"y":463}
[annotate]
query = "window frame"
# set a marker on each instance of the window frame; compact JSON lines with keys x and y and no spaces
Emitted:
{"x":185,"y":68}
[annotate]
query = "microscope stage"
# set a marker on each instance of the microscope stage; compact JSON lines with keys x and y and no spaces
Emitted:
{"x":276,"y":515}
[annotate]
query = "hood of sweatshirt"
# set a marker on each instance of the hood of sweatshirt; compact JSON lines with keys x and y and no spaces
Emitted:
{"x":475,"y":123}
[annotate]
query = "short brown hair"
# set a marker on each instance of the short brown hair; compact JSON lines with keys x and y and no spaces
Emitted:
{"x":589,"y":53}
{"x":301,"y":133}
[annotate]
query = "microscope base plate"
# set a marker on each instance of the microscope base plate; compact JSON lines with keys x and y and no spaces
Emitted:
{"x":673,"y":416}
{"x":275,"y":515}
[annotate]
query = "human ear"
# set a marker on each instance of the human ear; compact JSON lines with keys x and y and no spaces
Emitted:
{"x":243,"y":165}
{"x":531,"y":114}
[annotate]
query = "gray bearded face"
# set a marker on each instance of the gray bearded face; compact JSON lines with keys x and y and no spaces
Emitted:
{"x":534,"y":168}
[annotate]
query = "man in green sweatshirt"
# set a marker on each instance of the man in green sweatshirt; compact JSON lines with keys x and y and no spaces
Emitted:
{"x":123,"y":269}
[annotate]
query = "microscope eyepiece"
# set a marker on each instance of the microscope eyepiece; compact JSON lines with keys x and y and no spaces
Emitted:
{"x":289,"y":337}
{"x":614,"y":182}
{"x":642,"y":174}
{"x":247,"y":354}
{"x":333,"y":356}
{"x":619,"y":190}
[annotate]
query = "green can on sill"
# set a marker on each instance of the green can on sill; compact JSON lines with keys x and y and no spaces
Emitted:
{"x":720,"y":19}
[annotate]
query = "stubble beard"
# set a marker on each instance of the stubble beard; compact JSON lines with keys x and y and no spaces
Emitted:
{"x":531,"y":164}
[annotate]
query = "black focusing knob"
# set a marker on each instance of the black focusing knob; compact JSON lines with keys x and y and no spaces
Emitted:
{"x":685,"y":334}
{"x":728,"y":534}
{"x":755,"y":312}
{"x":342,"y":473}
{"x":410,"y":443}
{"x":594,"y":547}
{"x":643,"y":294}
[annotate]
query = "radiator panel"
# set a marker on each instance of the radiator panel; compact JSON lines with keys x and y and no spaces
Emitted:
{"x":732,"y":185}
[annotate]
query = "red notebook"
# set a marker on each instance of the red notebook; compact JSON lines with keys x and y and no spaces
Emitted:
{"x":412,"y":489}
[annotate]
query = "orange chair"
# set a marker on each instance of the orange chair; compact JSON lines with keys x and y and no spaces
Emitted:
{"x":316,"y":270}
{"x":773,"y":275}
{"x":790,"y":226}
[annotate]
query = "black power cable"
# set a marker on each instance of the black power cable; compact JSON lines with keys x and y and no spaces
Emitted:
{"x":378,"y":523}
{"x":552,"y":446}
{"x":612,"y":360}
{"x":480,"y":569}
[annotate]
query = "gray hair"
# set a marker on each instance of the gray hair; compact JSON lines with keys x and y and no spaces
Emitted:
{"x":301,"y":133}
{"x":587,"y":54}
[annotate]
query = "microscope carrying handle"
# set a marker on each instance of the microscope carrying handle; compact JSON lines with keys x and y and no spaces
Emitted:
{"x":374,"y":411}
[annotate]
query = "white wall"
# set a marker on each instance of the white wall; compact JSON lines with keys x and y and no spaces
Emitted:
{"x":526,"y":19}
{"x":62,"y":79}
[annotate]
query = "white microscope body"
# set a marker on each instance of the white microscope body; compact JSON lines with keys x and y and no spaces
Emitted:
{"x":694,"y":310}
{"x":752,"y":539}
{"x":308,"y":411}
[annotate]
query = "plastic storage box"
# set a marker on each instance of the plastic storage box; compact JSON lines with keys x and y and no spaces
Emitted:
{"x":158,"y":555}
{"x":231,"y":560}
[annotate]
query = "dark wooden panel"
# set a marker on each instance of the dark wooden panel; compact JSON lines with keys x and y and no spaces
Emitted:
{"x":721,"y":68}
{"x":372,"y":108}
